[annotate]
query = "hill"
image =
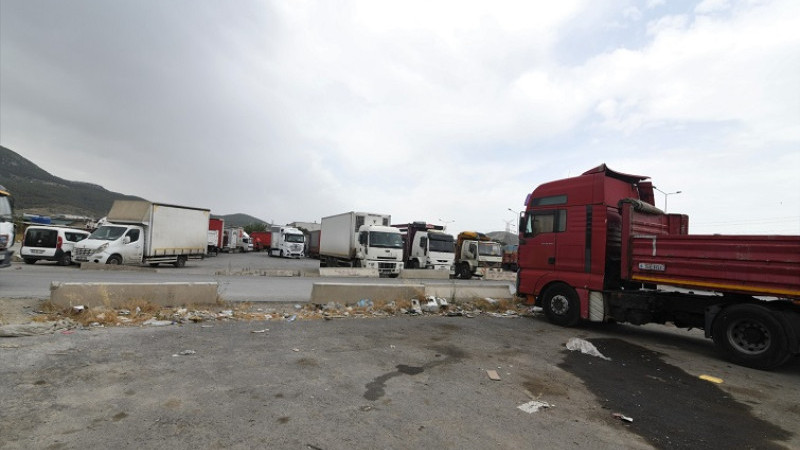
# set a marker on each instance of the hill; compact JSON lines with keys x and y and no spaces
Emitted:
{"x":240,"y":220}
{"x":36,"y":191}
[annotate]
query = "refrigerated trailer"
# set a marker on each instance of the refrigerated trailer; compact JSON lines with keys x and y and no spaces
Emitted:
{"x":594,"y":247}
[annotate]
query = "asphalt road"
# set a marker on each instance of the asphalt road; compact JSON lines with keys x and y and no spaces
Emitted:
{"x":395,"y":383}
{"x":235,"y":273}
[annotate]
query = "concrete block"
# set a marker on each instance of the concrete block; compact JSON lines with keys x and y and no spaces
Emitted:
{"x":424,"y":274}
{"x":115,"y":295}
{"x":500,"y":275}
{"x":348,"y":293}
{"x":463,"y":292}
{"x":355,"y":272}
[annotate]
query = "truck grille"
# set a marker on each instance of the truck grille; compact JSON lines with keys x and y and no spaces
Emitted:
{"x":386,"y":266}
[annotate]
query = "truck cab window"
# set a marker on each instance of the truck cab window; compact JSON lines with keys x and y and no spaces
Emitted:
{"x":133,"y":235}
{"x":538,"y":222}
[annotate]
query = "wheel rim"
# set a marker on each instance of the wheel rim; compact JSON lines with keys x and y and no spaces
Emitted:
{"x":749,"y":337}
{"x":559,"y":304}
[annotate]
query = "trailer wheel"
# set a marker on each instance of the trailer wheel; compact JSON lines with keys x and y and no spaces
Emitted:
{"x":561,"y":305}
{"x":751,"y":336}
{"x":180,"y":262}
{"x":114,"y":260}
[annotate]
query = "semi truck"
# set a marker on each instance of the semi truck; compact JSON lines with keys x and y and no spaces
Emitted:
{"x":313,"y":244}
{"x":138,"y":232}
{"x":360,"y":239}
{"x":261,"y":240}
{"x":7,"y":229}
{"x":287,"y":242}
{"x":596,"y":248}
{"x":475,"y":253}
{"x":215,"y":235}
{"x":427,"y":246}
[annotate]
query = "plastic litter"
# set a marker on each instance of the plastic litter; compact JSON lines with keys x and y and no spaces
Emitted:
{"x":157,"y":323}
{"x":585,"y":347}
{"x":622,"y":417}
{"x":711,"y":379}
{"x":534,"y":406}
{"x":415,"y":307}
{"x":365,"y":303}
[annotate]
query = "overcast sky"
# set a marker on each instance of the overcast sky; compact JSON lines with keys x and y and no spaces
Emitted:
{"x":443,"y":111}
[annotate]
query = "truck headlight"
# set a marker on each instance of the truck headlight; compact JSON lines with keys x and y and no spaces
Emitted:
{"x":102,"y":248}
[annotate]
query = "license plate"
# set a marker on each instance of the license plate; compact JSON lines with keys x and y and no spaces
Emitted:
{"x":37,"y":252}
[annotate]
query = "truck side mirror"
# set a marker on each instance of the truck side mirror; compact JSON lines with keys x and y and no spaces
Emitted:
{"x":126,"y":240}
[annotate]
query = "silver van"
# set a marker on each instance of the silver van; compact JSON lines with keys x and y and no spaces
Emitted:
{"x":50,"y":244}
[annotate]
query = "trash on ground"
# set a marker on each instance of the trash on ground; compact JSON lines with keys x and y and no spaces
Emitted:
{"x":490,"y":300}
{"x":78,"y":308}
{"x":585,"y":347}
{"x":157,"y":323}
{"x":184,"y":353}
{"x":415,"y":307}
{"x":365,"y":303}
{"x":622,"y":417}
{"x":534,"y":406}
{"x":711,"y":379}
{"x":493,"y":375}
{"x":260,"y":331}
{"x":291,"y":318}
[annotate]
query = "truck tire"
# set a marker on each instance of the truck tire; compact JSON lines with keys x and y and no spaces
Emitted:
{"x":413,"y":264}
{"x":751,"y":336}
{"x":180,"y":262}
{"x":464,"y":272}
{"x":561,"y":305}
{"x":114,"y":260}
{"x":29,"y":260}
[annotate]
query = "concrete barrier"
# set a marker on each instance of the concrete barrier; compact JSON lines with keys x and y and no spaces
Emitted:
{"x":343,"y":272}
{"x":464,"y":292}
{"x":348,"y":293}
{"x":424,"y":274}
{"x":116,"y":295}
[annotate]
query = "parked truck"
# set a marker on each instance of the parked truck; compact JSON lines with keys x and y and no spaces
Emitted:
{"x":475,"y":254}
{"x":594,"y":247}
{"x":235,"y":240}
{"x":427,"y":246}
{"x":215,"y":235}
{"x":287,"y":242}
{"x":7,"y":229}
{"x":261,"y":240}
{"x":510,"y":256}
{"x":141,"y":232}
{"x":359,"y":239}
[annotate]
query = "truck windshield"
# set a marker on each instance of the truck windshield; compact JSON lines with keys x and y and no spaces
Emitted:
{"x":444,"y":246}
{"x":108,"y":233}
{"x":489,"y":249}
{"x":387,"y":240}
{"x":300,"y":238}
{"x":5,"y":207}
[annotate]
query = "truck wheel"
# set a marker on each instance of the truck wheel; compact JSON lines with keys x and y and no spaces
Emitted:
{"x":65,"y":260}
{"x":751,"y":336}
{"x":180,"y":262}
{"x":114,"y":260}
{"x":413,"y":264}
{"x":464,"y":272}
{"x":561,"y":305}
{"x":29,"y":260}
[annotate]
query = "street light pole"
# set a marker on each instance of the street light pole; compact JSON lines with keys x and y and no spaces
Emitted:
{"x":666,"y":196}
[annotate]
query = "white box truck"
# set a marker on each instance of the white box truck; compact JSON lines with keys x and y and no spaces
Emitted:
{"x":358,"y":239}
{"x":288,"y":242}
{"x":138,"y":232}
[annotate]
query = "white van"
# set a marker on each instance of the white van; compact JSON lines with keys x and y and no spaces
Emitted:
{"x":50,"y":244}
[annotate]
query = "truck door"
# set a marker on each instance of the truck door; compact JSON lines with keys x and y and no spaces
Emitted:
{"x":134,"y":246}
{"x":537,"y":250}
